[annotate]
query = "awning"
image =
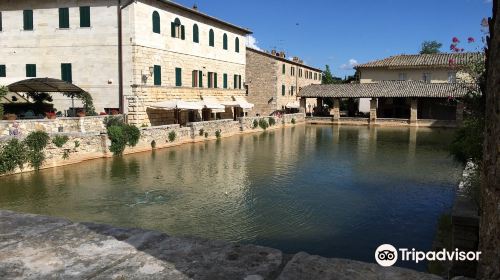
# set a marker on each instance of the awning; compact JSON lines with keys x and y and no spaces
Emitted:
{"x":243,"y":103}
{"x":177,"y":104}
{"x":293,"y":105}
{"x":210,"y":102}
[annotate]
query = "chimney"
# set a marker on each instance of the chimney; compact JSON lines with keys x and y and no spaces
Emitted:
{"x":273,"y":52}
{"x":295,"y":59}
{"x":195,"y":7}
{"x":282,"y":54}
{"x":301,"y":61}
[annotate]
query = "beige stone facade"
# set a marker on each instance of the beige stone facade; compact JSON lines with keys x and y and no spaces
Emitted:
{"x":94,"y":57}
{"x":273,"y":81}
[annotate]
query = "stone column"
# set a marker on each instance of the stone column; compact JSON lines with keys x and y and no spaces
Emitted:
{"x":336,"y":110}
{"x":413,"y":111}
{"x":459,"y":118}
{"x":319,"y":105}
{"x":373,"y":110}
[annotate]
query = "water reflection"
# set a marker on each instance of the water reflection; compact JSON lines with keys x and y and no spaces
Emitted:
{"x":329,"y":190}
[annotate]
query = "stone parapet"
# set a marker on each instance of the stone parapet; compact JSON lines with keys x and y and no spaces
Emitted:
{"x":83,"y":124}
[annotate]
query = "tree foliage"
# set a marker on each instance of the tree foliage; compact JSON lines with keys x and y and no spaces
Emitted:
{"x":430,"y":47}
{"x":122,"y":135}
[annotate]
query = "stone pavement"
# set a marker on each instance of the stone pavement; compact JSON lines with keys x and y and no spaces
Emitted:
{"x":40,"y":247}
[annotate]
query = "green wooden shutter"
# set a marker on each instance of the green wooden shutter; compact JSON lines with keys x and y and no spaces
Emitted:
{"x":178,"y":77}
{"x":66,"y":72}
{"x":63,"y":17}
{"x":237,"y":45}
{"x":3,"y":72}
{"x":284,"y":69}
{"x":0,"y":21}
{"x":157,"y":75}
{"x":200,"y":79}
{"x":215,"y":80}
{"x":31,"y":70}
{"x":239,"y":81}
{"x":224,"y":41}
{"x":283,"y":89}
{"x":28,"y":19}
{"x":224,"y":82}
{"x":183,"y":33}
{"x":211,"y":39}
{"x":193,"y":78}
{"x":85,"y":16}
{"x":235,"y":81}
{"x":196,"y":36}
{"x":172,"y":29}
{"x":156,"y":22}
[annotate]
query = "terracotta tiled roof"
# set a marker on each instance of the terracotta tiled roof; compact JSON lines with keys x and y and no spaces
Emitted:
{"x":423,"y":60}
{"x":386,"y":89}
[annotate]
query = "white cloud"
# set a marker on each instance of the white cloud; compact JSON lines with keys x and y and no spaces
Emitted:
{"x":350,"y":65}
{"x":252,"y":42}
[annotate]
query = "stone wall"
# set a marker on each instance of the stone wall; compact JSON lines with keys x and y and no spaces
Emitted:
{"x":84,"y":124}
{"x":489,"y":234}
{"x":226,"y":128}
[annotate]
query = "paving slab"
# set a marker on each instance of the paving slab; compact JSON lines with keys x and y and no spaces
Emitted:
{"x":304,"y":266}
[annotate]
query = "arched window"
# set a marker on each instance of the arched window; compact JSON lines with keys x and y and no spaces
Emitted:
{"x":237,"y":45}
{"x":156,"y":22}
{"x":196,"y":35}
{"x":224,"y":41}
{"x":177,"y":29}
{"x":211,"y":39}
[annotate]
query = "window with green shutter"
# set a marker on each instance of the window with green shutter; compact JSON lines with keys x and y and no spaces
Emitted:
{"x":211,"y":39}
{"x":200,"y":78}
{"x":85,"y":16}
{"x":157,"y":75}
{"x":156,"y":22}
{"x":3,"y":72}
{"x":215,"y":80}
{"x":31,"y":70}
{"x":235,"y":81}
{"x":178,"y":77}
{"x":1,"y":21}
{"x":283,"y":89}
{"x":196,"y":34}
{"x":224,"y":80}
{"x":237,"y":45}
{"x":63,"y":17}
{"x":66,"y":72}
{"x":183,"y":33}
{"x":28,"y":19}
{"x":224,"y":41}
{"x":210,"y":80}
{"x":284,"y":69}
{"x":239,"y":81}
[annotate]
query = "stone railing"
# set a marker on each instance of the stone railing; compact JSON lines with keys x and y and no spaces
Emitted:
{"x":226,"y":127}
{"x":83,"y":124}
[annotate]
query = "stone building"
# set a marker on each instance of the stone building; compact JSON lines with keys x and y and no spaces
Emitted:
{"x":273,"y":81}
{"x":429,"y":68}
{"x":128,"y":55}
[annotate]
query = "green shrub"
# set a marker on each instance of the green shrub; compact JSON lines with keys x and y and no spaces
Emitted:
{"x":255,"y":123}
{"x":66,"y":154}
{"x":263,"y":124}
{"x":201,"y":132}
{"x":206,"y":134}
{"x":12,"y":155}
{"x":153,"y":144}
{"x":36,"y":142}
{"x":293,"y":121}
{"x":171,"y":136}
{"x":468,"y":141}
{"x":60,"y":140}
{"x":77,"y":144}
{"x":113,"y":120}
{"x":218,"y":133}
{"x":272,"y":121}
{"x":121,"y":136}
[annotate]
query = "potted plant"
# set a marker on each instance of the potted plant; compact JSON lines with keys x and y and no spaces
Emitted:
{"x":115,"y":112}
{"x":80,"y":113}
{"x":50,"y":115}
{"x":10,"y":117}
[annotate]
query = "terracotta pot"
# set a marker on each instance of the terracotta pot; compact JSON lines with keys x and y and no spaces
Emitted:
{"x":50,"y":116}
{"x":80,"y":114}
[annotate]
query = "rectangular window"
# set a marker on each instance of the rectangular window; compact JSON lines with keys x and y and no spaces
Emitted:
{"x":63,"y":17}
{"x":224,"y":80}
{"x":235,"y":81}
{"x":300,"y":73}
{"x":215,"y":80}
{"x":315,"y":76}
{"x":3,"y":72}
{"x":284,"y":69}
{"x":157,"y":75}
{"x":85,"y":16}
{"x":283,"y":90}
{"x":200,"y":79}
{"x":452,"y":77}
{"x":210,"y":80}
{"x":28,"y":19}
{"x":239,"y":81}
{"x":31,"y":70}
{"x":402,"y":76}
{"x":66,"y":72}
{"x":292,"y":71}
{"x":0,"y":21}
{"x":426,"y":77}
{"x":178,"y":77}
{"x":195,"y":78}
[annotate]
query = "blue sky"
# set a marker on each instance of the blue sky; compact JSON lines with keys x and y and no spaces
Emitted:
{"x":340,"y":33}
